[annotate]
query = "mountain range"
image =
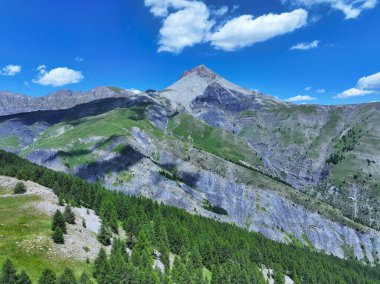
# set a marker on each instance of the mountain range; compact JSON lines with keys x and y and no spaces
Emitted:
{"x":304,"y":174}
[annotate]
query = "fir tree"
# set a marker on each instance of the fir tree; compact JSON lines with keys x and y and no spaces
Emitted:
{"x":142,"y":253}
{"x":67,"y":277}
{"x":104,"y":236}
{"x":20,"y":188}
{"x":101,"y":264}
{"x":84,"y":279}
{"x":24,"y":278}
{"x":59,"y":222}
{"x":69,"y":215}
{"x":47,"y":277}
{"x":8,"y":273}
{"x":61,"y":201}
{"x":57,"y":236}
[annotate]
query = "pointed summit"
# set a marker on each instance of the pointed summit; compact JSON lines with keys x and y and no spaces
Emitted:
{"x":194,"y":83}
{"x":201,"y":71}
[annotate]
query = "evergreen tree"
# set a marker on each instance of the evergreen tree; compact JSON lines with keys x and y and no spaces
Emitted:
{"x":24,"y":278}
{"x":20,"y":188}
{"x":179,"y":272}
{"x":101,"y":264}
{"x":8,"y":273}
{"x":47,"y":277}
{"x":84,"y":279}
{"x":67,"y":277}
{"x":57,"y":236}
{"x":84,"y":225}
{"x":69,"y":215}
{"x":142,"y":253}
{"x":104,"y":235}
{"x":61,"y":201}
{"x":59,"y":222}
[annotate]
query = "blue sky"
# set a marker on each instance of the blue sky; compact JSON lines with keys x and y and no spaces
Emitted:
{"x":314,"y":51}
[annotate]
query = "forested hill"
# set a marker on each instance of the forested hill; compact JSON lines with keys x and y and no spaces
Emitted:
{"x":232,"y":254}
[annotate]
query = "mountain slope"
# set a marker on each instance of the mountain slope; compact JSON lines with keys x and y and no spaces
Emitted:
{"x":226,"y":153}
{"x":230,"y":253}
{"x":25,"y":231}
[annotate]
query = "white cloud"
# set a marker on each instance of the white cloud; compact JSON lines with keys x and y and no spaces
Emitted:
{"x":10,"y":70}
{"x":57,"y":77}
{"x":321,"y":91}
{"x":307,"y":89}
{"x":188,"y":22}
{"x":305,"y":45}
{"x":186,"y":26}
{"x":351,"y":8}
{"x":353,"y":92}
{"x":369,"y":82}
{"x":301,"y":98}
{"x":366,"y":85}
{"x":245,"y":30}
{"x":79,"y":59}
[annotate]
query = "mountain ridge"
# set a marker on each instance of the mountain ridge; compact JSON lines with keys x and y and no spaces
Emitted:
{"x":228,"y":148}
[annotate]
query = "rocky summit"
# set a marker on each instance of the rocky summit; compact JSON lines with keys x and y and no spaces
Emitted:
{"x":303,"y":174}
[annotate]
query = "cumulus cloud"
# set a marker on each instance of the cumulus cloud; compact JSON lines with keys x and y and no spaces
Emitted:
{"x":305,"y":45}
{"x":57,"y":77}
{"x":366,"y":85}
{"x":369,"y":82}
{"x":79,"y":59}
{"x":321,"y":91}
{"x":189,"y":22}
{"x":351,"y":8}
{"x":307,"y":89}
{"x":246,"y":30}
{"x":301,"y":98}
{"x":10,"y":70}
{"x":353,"y":92}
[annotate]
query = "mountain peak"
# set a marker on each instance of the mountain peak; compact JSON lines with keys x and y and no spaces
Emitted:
{"x":201,"y":71}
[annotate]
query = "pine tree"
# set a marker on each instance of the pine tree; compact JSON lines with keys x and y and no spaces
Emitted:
{"x":179,"y":272}
{"x":61,"y":201}
{"x":20,"y":188}
{"x":67,"y":277}
{"x":24,"y":278}
{"x":84,"y":225}
{"x":59,"y":221}
{"x":8,"y":273}
{"x":101,"y":264}
{"x":69,"y":215}
{"x":84,"y":279}
{"x":104,"y":236}
{"x":57,"y":236}
{"x":48,"y":277}
{"x":142,"y":253}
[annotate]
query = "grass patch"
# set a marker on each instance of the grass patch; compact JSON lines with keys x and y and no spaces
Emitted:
{"x":213,"y":140}
{"x":10,"y":142}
